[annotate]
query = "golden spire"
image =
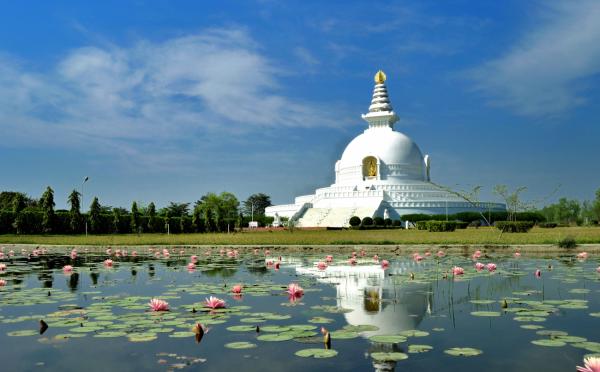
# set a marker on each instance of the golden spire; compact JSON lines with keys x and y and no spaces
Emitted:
{"x":380,"y":77}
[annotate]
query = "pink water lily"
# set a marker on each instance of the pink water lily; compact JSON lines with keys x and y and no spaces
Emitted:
{"x":191,"y":266}
{"x":427,"y":253}
{"x":321,"y":265}
{"x":479,"y":266}
{"x":67,"y":269}
{"x":491,"y":267}
{"x":582,"y":255}
{"x":352,"y":261}
{"x":2,"y":282}
{"x":517,"y":254}
{"x":158,"y":305}
{"x":418,"y":257}
{"x":385,"y":264}
{"x":538,"y":273}
{"x":108,"y":262}
{"x":329,"y":258}
{"x":134,"y":254}
{"x":194,"y":259}
{"x":458,"y":270}
{"x":441,"y":254}
{"x":277,"y":265}
{"x":214,"y":303}
{"x":476,"y":254}
{"x":237,"y":289}
{"x":73,"y":254}
{"x":376,"y":258}
{"x":592,"y":364}
{"x":295,"y":290}
{"x":598,"y":269}
{"x":2,"y":267}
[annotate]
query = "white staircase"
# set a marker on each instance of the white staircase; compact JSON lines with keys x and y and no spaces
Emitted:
{"x":313,"y":217}
{"x":333,"y":217}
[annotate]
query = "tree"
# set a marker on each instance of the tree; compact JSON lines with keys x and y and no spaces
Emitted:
{"x":135,"y":218}
{"x":511,"y":199}
{"x":47,"y":204}
{"x":596,"y":206}
{"x":75,"y":213}
{"x":175,"y":209}
{"x":566,"y":211}
{"x":260,"y":201}
{"x":18,"y":202}
{"x":94,"y":215}
{"x":197,"y":221}
{"x":218,"y":211}
{"x":8,"y":198}
{"x":151,"y":217}
{"x":116,"y":220}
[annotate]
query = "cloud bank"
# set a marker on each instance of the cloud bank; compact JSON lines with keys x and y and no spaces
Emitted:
{"x":542,"y":74}
{"x":126,"y":100}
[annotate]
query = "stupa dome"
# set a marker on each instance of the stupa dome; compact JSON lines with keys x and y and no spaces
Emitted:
{"x":397,"y":154}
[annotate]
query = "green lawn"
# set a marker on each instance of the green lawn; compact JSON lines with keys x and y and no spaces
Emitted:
{"x":318,"y":237}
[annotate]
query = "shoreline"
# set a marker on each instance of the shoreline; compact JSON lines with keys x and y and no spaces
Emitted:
{"x":340,"y":248}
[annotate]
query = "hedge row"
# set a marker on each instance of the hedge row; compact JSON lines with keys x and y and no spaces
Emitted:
{"x":514,"y":226}
{"x":439,"y":226}
{"x":536,"y":217}
{"x":30,"y":222}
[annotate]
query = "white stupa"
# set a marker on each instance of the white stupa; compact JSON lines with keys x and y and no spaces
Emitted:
{"x":382,"y":172}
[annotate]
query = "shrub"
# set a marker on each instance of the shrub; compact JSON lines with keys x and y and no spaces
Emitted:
{"x":367,"y":221}
{"x":378,"y":221}
{"x":387,"y":222}
{"x":567,"y":242}
{"x":421,"y":225}
{"x":354,"y":221}
{"x":461,"y":224}
{"x":396,"y":223}
{"x":475,"y":223}
{"x":441,"y":226}
{"x":548,"y":225}
{"x":514,"y":226}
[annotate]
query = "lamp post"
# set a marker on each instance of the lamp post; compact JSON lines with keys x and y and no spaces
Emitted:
{"x":83,"y":183}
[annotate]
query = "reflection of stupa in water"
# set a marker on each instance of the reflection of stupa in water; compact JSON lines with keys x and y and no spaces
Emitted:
{"x":370,"y":292}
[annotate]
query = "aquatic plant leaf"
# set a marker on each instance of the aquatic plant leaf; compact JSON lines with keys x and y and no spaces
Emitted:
{"x":388,"y":357}
{"x":316,"y":353}
{"x":463,"y":351}
{"x":388,"y":339}
{"x":419,"y":348}
{"x":240,"y":345}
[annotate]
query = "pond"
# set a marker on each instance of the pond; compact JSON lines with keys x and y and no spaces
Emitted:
{"x":406,"y":312}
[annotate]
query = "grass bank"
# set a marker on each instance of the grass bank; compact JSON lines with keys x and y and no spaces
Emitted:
{"x":582,"y":235}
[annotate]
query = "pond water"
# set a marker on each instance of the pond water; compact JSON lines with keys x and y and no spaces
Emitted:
{"x":411,"y":315}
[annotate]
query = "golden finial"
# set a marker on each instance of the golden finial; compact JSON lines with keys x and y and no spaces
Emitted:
{"x":380,"y":77}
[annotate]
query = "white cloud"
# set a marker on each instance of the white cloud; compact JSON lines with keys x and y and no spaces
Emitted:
{"x":125,"y":99}
{"x":542,"y":73}
{"x":306,"y":56}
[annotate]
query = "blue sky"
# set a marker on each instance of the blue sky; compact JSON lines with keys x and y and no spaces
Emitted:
{"x":164,"y":101}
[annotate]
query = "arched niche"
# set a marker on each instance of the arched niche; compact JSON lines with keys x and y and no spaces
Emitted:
{"x":370,"y":166}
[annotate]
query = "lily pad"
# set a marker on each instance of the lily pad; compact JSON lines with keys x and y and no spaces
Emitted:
{"x":316,"y":353}
{"x":414,"y":333}
{"x":388,"y":339}
{"x":486,"y":313}
{"x":419,"y":348}
{"x":24,"y":332}
{"x":548,"y":342}
{"x":275,"y":337}
{"x":388,"y":357}
{"x":240,"y":345}
{"x":463,"y":351}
